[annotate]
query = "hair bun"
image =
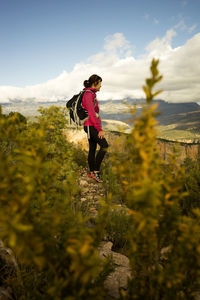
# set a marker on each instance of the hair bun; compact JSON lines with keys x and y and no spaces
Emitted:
{"x":86,"y":83}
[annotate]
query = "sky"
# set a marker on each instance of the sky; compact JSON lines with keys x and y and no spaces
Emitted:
{"x":49,"y":47}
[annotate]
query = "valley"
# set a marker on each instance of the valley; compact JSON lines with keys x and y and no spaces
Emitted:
{"x":176,"y":121}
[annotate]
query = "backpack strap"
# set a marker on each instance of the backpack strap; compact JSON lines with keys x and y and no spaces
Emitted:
{"x":88,"y":132}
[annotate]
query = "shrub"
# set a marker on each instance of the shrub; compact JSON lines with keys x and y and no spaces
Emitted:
{"x":191,"y":186}
{"x":164,"y":245}
{"x":56,"y":252}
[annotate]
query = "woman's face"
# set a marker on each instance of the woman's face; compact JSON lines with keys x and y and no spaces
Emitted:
{"x":98,"y":86}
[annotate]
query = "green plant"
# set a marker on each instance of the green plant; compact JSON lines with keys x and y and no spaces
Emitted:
{"x":117,"y":227}
{"x":80,"y":157}
{"x":192,"y":186}
{"x":56,"y":251}
{"x":110,"y":180}
{"x":162,"y":251}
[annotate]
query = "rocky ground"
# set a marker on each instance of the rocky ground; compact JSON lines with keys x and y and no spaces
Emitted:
{"x":8,"y":265}
{"x":91,"y":193}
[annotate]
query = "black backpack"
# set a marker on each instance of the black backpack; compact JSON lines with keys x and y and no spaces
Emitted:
{"x":77,"y":113}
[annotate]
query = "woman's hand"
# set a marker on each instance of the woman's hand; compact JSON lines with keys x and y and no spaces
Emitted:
{"x":101,"y":134}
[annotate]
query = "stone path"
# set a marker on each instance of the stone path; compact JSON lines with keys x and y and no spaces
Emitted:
{"x":117,"y":279}
{"x":91,"y":193}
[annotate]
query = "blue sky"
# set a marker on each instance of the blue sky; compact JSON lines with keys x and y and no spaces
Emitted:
{"x":42,"y":38}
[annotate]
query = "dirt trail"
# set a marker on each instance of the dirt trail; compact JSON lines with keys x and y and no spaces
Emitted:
{"x":91,"y":193}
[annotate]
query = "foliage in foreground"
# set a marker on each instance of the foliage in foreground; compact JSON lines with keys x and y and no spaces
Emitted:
{"x":164,"y":243}
{"x":192,"y":186}
{"x":56,"y":252}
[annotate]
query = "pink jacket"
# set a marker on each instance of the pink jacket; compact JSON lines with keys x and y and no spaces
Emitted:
{"x":88,"y":104}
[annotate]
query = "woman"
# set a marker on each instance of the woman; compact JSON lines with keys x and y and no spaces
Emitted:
{"x":93,"y":126}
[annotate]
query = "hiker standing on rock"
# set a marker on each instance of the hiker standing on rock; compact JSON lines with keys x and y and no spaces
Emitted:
{"x":92,"y":126}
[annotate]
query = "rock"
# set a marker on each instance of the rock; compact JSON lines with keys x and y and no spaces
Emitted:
{"x":8,"y":266}
{"x":119,"y":278}
{"x":85,"y":190}
{"x":5,"y":294}
{"x":120,"y":260}
{"x":105,"y":249}
{"x":93,"y":211}
{"x":91,"y":197}
{"x":83,"y":182}
{"x":83,"y":199}
{"x":7,"y":257}
{"x":197,"y":296}
{"x":164,"y":252}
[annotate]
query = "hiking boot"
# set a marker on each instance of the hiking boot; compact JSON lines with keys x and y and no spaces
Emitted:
{"x":90,"y":174}
{"x":95,"y":176}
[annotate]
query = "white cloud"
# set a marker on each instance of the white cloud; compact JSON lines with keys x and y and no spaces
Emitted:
{"x":162,"y":46}
{"x":183,"y":27}
{"x":192,"y":28}
{"x":146,"y":17}
{"x":116,"y":42}
{"x":123,"y":74}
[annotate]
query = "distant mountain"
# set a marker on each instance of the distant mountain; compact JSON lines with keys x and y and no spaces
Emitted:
{"x":183,"y":116}
{"x":170,"y":113}
{"x":176,"y":108}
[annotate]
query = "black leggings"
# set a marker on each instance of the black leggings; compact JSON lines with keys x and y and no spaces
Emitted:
{"x":94,"y":161}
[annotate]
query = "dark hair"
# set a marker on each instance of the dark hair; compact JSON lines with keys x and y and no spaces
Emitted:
{"x":94,"y":79}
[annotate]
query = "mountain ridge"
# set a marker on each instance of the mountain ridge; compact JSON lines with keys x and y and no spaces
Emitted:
{"x":175,"y":120}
